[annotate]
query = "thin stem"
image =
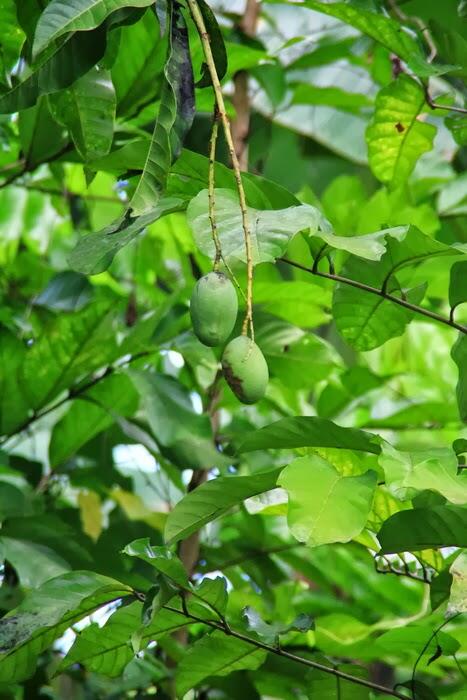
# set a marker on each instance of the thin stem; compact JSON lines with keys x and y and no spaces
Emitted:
{"x":278,"y":651}
{"x":205,"y":40}
{"x":211,"y":190}
{"x":378,"y":292}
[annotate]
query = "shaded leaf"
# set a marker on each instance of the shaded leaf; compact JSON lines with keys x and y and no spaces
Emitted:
{"x":46,"y":613}
{"x":176,"y":113}
{"x":161,"y":558}
{"x":215,"y":655}
{"x":419,"y":690}
{"x":216,"y":41}
{"x":459,"y":355}
{"x":212,"y":499}
{"x":325,"y":686}
{"x":423,"y":528}
{"x":270,"y":633}
{"x":458,"y":596}
{"x":61,"y":17}
{"x":66,"y":291}
{"x":307,"y":431}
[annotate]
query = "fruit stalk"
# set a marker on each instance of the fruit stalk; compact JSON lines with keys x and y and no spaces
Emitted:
{"x":211,"y":190}
{"x":205,"y":41}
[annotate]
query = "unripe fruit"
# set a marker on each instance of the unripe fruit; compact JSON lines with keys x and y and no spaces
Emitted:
{"x":213,"y":308}
{"x":245,"y":369}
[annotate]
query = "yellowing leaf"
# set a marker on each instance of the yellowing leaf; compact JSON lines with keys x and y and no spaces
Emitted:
{"x":91,"y":513}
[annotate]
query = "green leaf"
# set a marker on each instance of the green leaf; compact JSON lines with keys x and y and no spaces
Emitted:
{"x":40,"y":138}
{"x":458,"y":128}
{"x":106,"y":650}
{"x":176,"y":113}
{"x":458,"y":284}
{"x":458,"y":596}
{"x":90,"y":414}
{"x":325,"y":686}
{"x":407,"y":473}
{"x":423,"y":528}
{"x":304,"y":93}
{"x":216,"y":41}
{"x":307,"y":431}
{"x":325,"y":506}
{"x":209,"y":595}
{"x":459,"y":355}
{"x":270,"y":230}
{"x":396,"y":137}
{"x":419,"y":690}
{"x":270,"y":633}
{"x":14,"y":407}
{"x":94,"y":253}
{"x":215,"y":655}
{"x":34,"y":563}
{"x":12,"y":39}
{"x":61,"y":17}
{"x":212,"y":499}
{"x":46,"y":613}
{"x":87,"y":109}
{"x":66,"y":64}
{"x":71,"y":346}
{"x":66,"y":291}
{"x":161,"y":558}
{"x":370,"y":246}
{"x":368,"y":320}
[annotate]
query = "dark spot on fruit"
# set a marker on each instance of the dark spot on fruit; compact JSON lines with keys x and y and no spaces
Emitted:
{"x":232,"y":380}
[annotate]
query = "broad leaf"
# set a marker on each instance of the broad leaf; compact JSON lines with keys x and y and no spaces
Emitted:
{"x":46,"y":613}
{"x":423,"y":528}
{"x":407,"y":473}
{"x":325,"y":506}
{"x":397,"y":137}
{"x":176,"y":113}
{"x":14,"y":406}
{"x":458,"y":595}
{"x":215,"y":655}
{"x":66,"y":291}
{"x":213,"y":499}
{"x":307,"y":431}
{"x":270,"y":230}
{"x":61,"y":17}
{"x":94,"y":253}
{"x":270,"y":632}
{"x":107,"y":649}
{"x":87,"y":109}
{"x":34,"y":563}
{"x":217,"y":46}
{"x":457,"y":284}
{"x":40,"y":138}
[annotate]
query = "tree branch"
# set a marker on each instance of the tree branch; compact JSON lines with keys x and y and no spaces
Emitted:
{"x":380,"y":293}
{"x":288,"y":655}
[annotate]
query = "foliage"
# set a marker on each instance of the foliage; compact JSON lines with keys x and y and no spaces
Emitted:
{"x":159,"y":538}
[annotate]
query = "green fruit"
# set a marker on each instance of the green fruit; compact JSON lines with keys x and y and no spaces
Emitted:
{"x":213,"y":308}
{"x":245,"y":369}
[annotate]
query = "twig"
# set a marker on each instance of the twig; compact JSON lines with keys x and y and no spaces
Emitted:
{"x":378,"y":292}
{"x":205,"y":40}
{"x":435,"y":105}
{"x":278,"y":651}
{"x":211,"y":190}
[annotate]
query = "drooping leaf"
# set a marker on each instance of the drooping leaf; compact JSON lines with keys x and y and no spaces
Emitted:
{"x":307,"y":431}
{"x":107,"y":650}
{"x":270,"y":632}
{"x":325,"y":506}
{"x":423,"y":528}
{"x":458,"y":595}
{"x":34,"y":563}
{"x":46,"y":613}
{"x":176,"y":113}
{"x":419,"y":690}
{"x":87,"y":109}
{"x":212,"y":499}
{"x":39,"y":134}
{"x":215,"y":655}
{"x":216,"y":41}
{"x":14,"y":406}
{"x":397,"y":137}
{"x":66,"y":291}
{"x":94,"y":252}
{"x":458,"y":284}
{"x":61,"y":17}
{"x":270,"y":230}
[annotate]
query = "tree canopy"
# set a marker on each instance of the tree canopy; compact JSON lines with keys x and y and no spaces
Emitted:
{"x":233,"y":337}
